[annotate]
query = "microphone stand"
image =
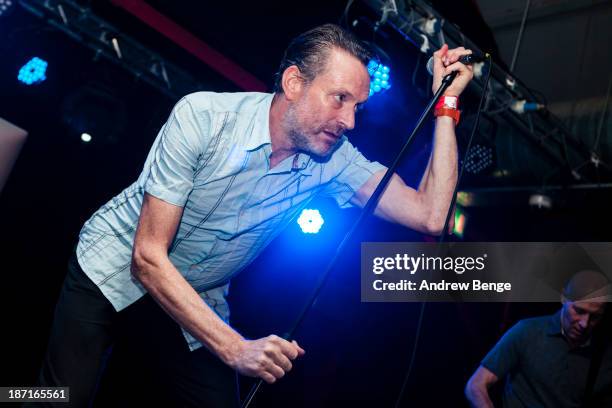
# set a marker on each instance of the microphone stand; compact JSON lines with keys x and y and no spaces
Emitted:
{"x":367,"y":210}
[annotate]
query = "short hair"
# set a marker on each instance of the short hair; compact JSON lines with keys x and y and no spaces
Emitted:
{"x":588,"y":285}
{"x":309,"y":51}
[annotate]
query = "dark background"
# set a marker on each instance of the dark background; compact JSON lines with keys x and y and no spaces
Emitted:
{"x":356,"y":352}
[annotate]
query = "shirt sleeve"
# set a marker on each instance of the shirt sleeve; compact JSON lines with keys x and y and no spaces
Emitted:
{"x":173,"y":159}
{"x":354,"y":170}
{"x":505,"y":356}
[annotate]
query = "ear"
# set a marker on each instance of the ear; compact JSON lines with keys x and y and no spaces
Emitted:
{"x":564,"y":300}
{"x":292,"y":82}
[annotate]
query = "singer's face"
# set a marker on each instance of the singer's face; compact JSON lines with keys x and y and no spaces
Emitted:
{"x":326,"y":107}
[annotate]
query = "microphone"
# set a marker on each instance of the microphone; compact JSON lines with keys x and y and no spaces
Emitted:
{"x":475,"y":56}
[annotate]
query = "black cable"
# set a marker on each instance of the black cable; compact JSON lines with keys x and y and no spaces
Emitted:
{"x":519,"y":39}
{"x":343,"y":21}
{"x":443,"y":234}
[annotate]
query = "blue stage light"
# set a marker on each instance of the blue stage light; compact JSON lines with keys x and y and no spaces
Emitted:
{"x":372,"y":67}
{"x":379,"y":77}
{"x":310,"y":221}
{"x":33,"y":72}
{"x":6,"y":6}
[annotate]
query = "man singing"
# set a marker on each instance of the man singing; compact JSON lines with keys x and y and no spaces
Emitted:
{"x":225,"y":174}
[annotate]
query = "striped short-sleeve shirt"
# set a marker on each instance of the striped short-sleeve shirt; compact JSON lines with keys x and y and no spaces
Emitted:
{"x":211,"y":157}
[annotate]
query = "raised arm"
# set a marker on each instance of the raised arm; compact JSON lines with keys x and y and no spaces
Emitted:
{"x":425,"y":209}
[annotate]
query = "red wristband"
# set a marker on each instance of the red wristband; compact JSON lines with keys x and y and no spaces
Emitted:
{"x":453,"y":113}
{"x":448,"y":102}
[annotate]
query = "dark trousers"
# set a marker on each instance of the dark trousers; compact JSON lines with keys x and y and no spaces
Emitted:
{"x":157,"y":365}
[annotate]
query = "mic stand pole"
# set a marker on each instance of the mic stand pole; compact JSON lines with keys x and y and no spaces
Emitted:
{"x":367,"y":209}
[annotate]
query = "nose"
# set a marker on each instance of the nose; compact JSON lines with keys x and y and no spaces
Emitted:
{"x":347,"y":118}
{"x":584,"y":322}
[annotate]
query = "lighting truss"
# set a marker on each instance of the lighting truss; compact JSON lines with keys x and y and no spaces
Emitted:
{"x":422,"y":25}
{"x":82,"y":25}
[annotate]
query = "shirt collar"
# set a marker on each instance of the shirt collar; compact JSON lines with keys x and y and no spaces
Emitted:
{"x":297,"y":163}
{"x":260,"y":132}
{"x":300,"y":162}
{"x":260,"y":135}
{"x":556,"y":329}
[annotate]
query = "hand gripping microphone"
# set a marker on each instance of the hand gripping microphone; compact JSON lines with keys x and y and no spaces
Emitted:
{"x":475,"y":56}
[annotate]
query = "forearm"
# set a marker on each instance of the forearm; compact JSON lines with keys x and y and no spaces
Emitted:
{"x":174,"y":294}
{"x":478,"y":397}
{"x":440,"y":176}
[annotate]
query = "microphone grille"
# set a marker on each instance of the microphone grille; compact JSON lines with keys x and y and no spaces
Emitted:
{"x":429,"y":65}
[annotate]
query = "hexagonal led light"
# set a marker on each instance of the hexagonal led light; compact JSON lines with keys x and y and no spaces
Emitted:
{"x":310,"y":221}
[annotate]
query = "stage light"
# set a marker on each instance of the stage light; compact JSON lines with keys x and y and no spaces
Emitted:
{"x":94,"y":110}
{"x":379,"y":77}
{"x":86,"y":137}
{"x":310,"y":221}
{"x":478,"y":159}
{"x":465,"y":199}
{"x":6,"y":7}
{"x":33,"y":72}
{"x":540,"y":200}
{"x":460,"y":221}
